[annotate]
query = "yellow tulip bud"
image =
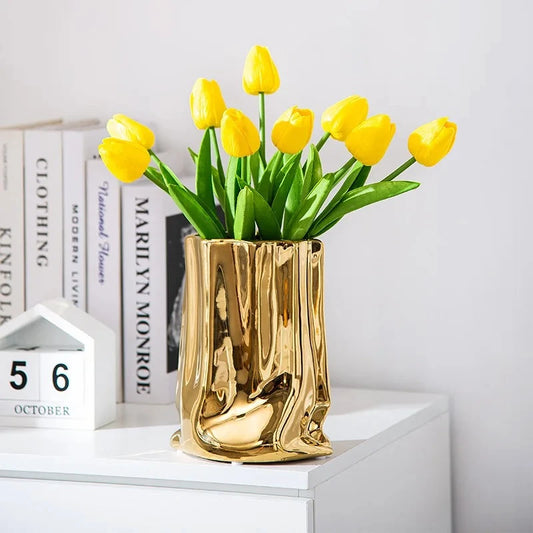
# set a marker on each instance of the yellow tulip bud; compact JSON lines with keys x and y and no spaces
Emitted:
{"x":260,"y":73}
{"x":239,"y":135}
{"x":341,"y":118}
{"x":126,"y":160}
{"x":292,"y":130}
{"x":123,"y":127}
{"x":207,"y":104}
{"x":369,"y":141}
{"x":429,"y":143}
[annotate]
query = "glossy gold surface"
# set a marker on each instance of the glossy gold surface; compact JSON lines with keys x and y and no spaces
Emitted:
{"x":253,"y":381}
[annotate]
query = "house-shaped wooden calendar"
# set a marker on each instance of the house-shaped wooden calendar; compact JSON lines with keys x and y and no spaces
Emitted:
{"x":57,"y":369}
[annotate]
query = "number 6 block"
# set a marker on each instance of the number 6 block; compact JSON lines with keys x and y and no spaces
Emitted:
{"x":57,"y":369}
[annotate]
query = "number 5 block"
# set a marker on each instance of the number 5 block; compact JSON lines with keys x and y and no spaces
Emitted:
{"x":57,"y":369}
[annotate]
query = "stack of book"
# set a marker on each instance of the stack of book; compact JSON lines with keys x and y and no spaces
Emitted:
{"x":69,"y":229}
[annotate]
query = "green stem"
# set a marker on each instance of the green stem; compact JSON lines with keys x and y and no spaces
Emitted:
{"x":244,"y":169}
{"x":154,"y":157}
{"x":322,"y":141}
{"x":220,"y":168}
{"x":156,"y":181}
{"x":262,"y":126}
{"x":400,"y":169}
{"x":340,"y":173}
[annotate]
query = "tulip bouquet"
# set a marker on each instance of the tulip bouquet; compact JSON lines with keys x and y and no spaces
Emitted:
{"x":285,"y":197}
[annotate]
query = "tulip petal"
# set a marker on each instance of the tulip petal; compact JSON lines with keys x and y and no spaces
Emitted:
{"x":342,"y":117}
{"x":239,"y":135}
{"x":369,"y":141}
{"x":207,"y":104}
{"x":126,"y":160}
{"x":260,"y":74}
{"x":292,"y":131}
{"x":117,"y":130}
{"x":429,"y":143}
{"x":125,"y":128}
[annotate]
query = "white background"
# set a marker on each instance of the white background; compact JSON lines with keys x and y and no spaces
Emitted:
{"x":430,"y":291}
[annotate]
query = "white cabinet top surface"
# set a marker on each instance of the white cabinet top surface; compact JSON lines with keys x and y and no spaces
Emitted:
{"x":135,"y":449}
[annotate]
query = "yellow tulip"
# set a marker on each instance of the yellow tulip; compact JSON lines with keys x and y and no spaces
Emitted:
{"x":369,"y":141}
{"x":341,"y":118}
{"x":292,"y":130}
{"x":126,"y":160}
{"x":207,"y":104}
{"x":239,"y":135}
{"x":123,"y":127}
{"x":429,"y":143}
{"x":260,"y":73}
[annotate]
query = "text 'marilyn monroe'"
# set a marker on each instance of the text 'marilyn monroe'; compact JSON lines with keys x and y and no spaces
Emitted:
{"x":142,"y":282}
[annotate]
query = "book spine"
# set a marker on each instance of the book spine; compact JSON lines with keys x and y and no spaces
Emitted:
{"x":43,"y":215}
{"x":147,"y":376}
{"x":11,"y":224}
{"x":78,"y":146}
{"x":104,"y":273}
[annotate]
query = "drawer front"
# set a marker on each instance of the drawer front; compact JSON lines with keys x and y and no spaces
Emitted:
{"x":56,"y":506}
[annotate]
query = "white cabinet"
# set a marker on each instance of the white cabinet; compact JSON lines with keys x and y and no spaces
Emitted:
{"x":389,"y":473}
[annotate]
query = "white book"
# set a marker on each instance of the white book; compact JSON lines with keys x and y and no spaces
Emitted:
{"x":12,"y":297}
{"x":153,"y":276}
{"x":79,"y":145}
{"x":104,"y":267}
{"x":11,"y":224}
{"x":43,"y":183}
{"x":43,"y":203}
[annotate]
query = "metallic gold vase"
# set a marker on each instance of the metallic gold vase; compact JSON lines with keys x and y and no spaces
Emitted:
{"x":253,"y":380}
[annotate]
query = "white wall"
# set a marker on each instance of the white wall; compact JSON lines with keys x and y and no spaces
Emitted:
{"x":431,"y":291}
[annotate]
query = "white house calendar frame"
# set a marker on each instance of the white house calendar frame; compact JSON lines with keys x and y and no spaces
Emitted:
{"x":57,"y":369}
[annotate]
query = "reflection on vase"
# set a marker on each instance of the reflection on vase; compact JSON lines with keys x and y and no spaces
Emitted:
{"x":253,"y":383}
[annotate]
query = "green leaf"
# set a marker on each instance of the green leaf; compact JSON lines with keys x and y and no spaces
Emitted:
{"x":155,"y":177}
{"x":229,"y":216}
{"x":220,"y":192}
{"x":245,"y":170}
{"x":194,"y":155}
{"x":244,"y":225}
{"x":206,"y":224}
{"x":303,"y":218}
{"x":313,"y":170}
{"x":265,"y":184}
{"x":276,"y":177}
{"x":294,"y":198}
{"x":204,"y":183}
{"x":232,"y":190}
{"x":257,"y":168}
{"x":219,"y":188}
{"x":351,"y":177}
{"x":285,"y":182}
{"x":220,"y":169}
{"x":361,"y":197}
{"x":269,"y":228}
{"x":233,"y":167}
{"x":361,"y":177}
{"x":327,"y":228}
{"x":311,"y":204}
